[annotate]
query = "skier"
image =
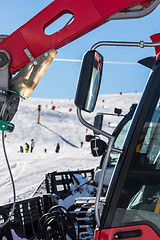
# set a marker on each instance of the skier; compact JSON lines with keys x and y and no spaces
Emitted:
{"x":27,"y":147}
{"x":57,"y":148}
{"x":21,"y":149}
{"x":32,"y":145}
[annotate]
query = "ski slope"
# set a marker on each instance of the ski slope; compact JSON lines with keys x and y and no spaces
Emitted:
{"x":56,"y":126}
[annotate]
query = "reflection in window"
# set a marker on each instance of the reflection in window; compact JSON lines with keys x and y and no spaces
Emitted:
{"x":121,"y":137}
{"x":151,"y":143}
{"x":94,"y":86}
{"x":119,"y":143}
{"x":95,"y":82}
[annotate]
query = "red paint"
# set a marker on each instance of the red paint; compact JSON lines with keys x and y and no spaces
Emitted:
{"x":147,"y":233}
{"x":88,"y":14}
{"x":156,"y":38}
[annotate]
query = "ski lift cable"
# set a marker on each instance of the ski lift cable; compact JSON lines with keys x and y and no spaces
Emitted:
{"x":12,"y":181}
{"x":77,"y":60}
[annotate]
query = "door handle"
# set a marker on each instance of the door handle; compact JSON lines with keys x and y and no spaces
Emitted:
{"x":129,"y":234}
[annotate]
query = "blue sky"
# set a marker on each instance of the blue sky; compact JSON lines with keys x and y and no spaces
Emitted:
{"x":61,"y":78}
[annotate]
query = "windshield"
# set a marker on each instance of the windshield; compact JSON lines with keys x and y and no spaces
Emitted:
{"x":121,"y":137}
{"x":114,"y":156}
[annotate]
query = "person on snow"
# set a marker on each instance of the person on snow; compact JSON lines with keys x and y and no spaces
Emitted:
{"x":32,"y":145}
{"x":21,"y":149}
{"x":57,"y":148}
{"x":27,"y":147}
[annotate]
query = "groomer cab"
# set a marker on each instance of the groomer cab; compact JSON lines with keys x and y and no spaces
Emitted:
{"x":131,"y":207}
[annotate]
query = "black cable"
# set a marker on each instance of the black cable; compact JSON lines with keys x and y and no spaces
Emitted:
{"x":56,"y":224}
{"x":69,"y":221}
{"x":13,"y":185}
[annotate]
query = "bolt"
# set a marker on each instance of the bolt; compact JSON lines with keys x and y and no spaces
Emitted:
{"x":35,"y":62}
{"x":3,"y":126}
{"x":141,"y":44}
{"x":116,"y":236}
{"x":46,"y":54}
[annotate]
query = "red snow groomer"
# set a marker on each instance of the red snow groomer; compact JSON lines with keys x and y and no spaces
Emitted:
{"x":128,"y":206}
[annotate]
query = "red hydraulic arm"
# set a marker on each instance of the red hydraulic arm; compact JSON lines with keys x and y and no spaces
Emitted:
{"x":88,"y":14}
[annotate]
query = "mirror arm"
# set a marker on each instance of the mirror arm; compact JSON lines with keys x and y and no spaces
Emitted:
{"x":111,"y":114}
{"x":105,"y":163}
{"x":88,"y":125}
{"x":101,"y":180}
{"x":103,"y":133}
{"x":140,"y":44}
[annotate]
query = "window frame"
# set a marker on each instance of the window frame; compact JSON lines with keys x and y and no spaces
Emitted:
{"x":145,"y":108}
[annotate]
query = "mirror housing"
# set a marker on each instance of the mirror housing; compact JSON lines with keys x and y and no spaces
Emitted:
{"x":118,"y":111}
{"x":89,"y":81}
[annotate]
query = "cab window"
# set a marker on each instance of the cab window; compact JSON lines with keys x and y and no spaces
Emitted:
{"x":140,"y":196}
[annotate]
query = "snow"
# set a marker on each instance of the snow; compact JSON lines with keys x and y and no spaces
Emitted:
{"x":85,"y":190}
{"x":14,"y":235}
{"x":56,"y":126}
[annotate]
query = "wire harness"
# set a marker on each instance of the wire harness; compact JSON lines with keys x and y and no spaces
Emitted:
{"x":12,"y":181}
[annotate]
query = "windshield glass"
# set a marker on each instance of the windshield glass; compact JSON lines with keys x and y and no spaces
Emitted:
{"x":121,"y":137}
{"x":140,"y":197}
{"x":114,"y":156}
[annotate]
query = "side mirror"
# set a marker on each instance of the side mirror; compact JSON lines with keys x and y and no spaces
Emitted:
{"x":89,"y":81}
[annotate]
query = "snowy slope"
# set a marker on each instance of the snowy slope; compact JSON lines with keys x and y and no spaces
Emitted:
{"x":59,"y":125}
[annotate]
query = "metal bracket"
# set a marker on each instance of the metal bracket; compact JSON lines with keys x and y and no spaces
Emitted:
{"x":140,"y":44}
{"x":4,"y":71}
{"x":29,"y":55}
{"x":105,"y":163}
{"x":29,"y":76}
{"x":6,"y":126}
{"x":8,"y":100}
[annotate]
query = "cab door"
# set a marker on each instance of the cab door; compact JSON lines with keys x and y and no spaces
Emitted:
{"x":132,"y":204}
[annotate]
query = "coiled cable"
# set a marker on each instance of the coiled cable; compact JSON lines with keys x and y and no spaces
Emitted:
{"x":57,"y":224}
